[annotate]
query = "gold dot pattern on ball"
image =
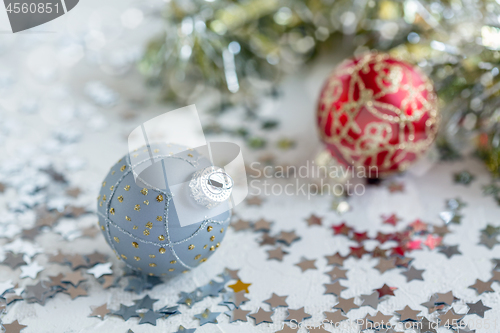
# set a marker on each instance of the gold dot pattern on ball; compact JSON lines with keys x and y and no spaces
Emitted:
{"x":124,"y":256}
{"x":103,"y":184}
{"x":120,"y":198}
{"x":209,"y":228}
{"x":161,"y":238}
{"x":198,"y":256}
{"x":112,"y":187}
{"x":171,"y":269}
{"x":152,"y":256}
{"x":146,"y":202}
{"x":212,"y":248}
{"x":137,"y":207}
{"x":137,"y":258}
{"x":135,"y":244}
{"x":173,"y":262}
{"x":217,"y":245}
{"x":162,"y":250}
{"x":112,"y":211}
{"x":190,"y":247}
{"x":203,"y":260}
{"x":123,"y":168}
{"x":144,"y":191}
{"x":152,"y":264}
{"x":159,"y":218}
{"x":116,"y":239}
{"x":128,"y":218}
{"x":221,"y":230}
{"x":127,"y":188}
{"x":212,"y":238}
{"x":204,"y":247}
{"x":149,"y":225}
{"x":146,"y":232}
{"x":135,"y":227}
{"x":159,"y":198}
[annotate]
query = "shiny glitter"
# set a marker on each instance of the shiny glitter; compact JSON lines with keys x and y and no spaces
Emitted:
{"x":127,"y":188}
{"x":146,"y":202}
{"x":135,"y":227}
{"x":120,"y":198}
{"x":112,"y":211}
{"x":128,"y":218}
{"x":144,"y":191}
{"x":134,"y":244}
{"x":149,"y":225}
{"x":159,"y":218}
{"x":146,"y":232}
{"x":137,"y":207}
{"x":159,"y":198}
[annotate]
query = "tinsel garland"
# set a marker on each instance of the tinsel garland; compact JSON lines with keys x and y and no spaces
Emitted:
{"x":243,"y":48}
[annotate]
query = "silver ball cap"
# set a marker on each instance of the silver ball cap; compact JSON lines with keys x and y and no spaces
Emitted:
{"x":211,"y":186}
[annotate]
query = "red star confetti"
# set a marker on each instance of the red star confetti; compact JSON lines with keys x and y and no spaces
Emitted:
{"x":357,"y":251}
{"x":418,"y":226}
{"x":392,"y":219}
{"x":433,"y":241}
{"x":386,"y":291}
{"x":360,"y":236}
{"x":414,"y":245}
{"x":341,"y":229}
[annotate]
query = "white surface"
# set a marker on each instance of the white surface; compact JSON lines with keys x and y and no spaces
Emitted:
{"x":104,"y":134}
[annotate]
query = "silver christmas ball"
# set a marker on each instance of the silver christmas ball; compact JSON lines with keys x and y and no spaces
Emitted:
{"x":159,"y":227}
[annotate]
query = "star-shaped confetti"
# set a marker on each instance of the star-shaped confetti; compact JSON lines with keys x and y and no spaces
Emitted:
{"x":337,"y":273}
{"x":276,"y":253}
{"x":408,"y":314}
{"x":239,"y":315}
{"x":345,"y":304}
{"x":305,"y":264}
{"x":335,"y":259}
{"x":262,"y":225}
{"x":100,"y":311}
{"x":391,"y":219}
{"x":313,"y":220}
{"x":207,"y":317}
{"x":287,"y":237}
{"x":14,"y":327}
{"x":150,"y":317}
{"x":297,"y":315}
{"x":478,"y":308}
{"x":335,"y":317}
{"x":240,"y":225}
{"x":450,"y":319}
{"x":449,"y":251}
{"x":276,"y":301}
{"x":413,"y":274}
{"x":239,"y":286}
{"x":334,"y":288}
{"x":31,"y":270}
{"x":13,"y":260}
{"x":262,"y":316}
{"x":100,"y":270}
{"x":482,"y":287}
{"x":385,"y":291}
{"x":432,"y":241}
{"x":370,"y":300}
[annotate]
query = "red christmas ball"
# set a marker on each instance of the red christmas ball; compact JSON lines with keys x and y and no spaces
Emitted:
{"x":377,"y":112}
